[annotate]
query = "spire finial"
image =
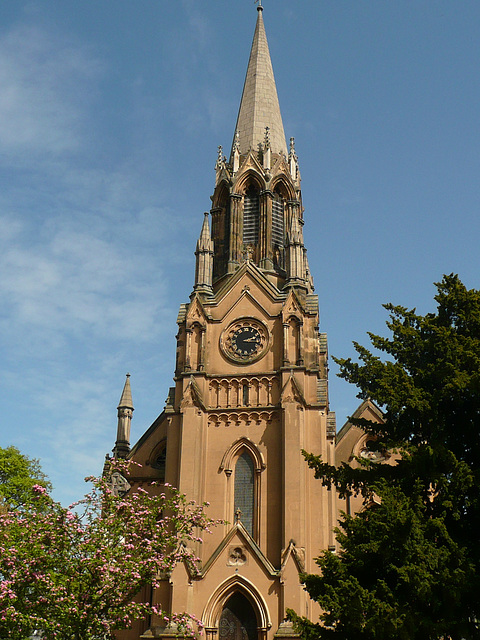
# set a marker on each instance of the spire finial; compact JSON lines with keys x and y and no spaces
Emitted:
{"x":259,"y":2}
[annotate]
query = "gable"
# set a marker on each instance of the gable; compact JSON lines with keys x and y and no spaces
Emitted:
{"x":248,"y":274}
{"x":237,"y":549}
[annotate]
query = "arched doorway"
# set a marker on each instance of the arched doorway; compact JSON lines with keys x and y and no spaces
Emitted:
{"x":238,"y":620}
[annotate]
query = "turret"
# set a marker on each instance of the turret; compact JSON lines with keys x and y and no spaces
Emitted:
{"x":124,"y":412}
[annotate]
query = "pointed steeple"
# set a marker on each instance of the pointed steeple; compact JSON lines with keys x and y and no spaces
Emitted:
{"x":124,"y":412}
{"x":259,"y":107}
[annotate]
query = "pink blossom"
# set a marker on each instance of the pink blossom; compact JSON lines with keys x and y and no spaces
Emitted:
{"x":75,"y":564}
{"x":39,"y":489}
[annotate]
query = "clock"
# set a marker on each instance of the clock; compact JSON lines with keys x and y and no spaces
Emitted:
{"x":245,"y":340}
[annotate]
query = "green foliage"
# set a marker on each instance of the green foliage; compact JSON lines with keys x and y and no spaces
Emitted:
{"x":409,"y":563}
{"x":18,"y":475}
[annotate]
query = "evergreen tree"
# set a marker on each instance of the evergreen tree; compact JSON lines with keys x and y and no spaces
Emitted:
{"x":409,"y":564}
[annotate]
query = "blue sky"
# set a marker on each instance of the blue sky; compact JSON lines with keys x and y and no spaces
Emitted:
{"x":110,"y":118}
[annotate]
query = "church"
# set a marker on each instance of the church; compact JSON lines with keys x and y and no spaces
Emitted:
{"x":251,"y":392}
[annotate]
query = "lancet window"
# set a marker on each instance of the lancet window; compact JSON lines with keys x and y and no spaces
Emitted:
{"x":244,"y":501}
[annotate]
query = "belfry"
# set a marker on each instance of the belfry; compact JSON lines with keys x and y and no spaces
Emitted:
{"x":251,"y":391}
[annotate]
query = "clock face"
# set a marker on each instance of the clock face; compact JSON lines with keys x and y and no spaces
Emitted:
{"x":245,"y":340}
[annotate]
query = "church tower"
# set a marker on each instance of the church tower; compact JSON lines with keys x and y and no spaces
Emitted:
{"x":250,"y":390}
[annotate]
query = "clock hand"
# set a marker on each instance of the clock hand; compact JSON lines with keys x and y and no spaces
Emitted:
{"x":252,"y":339}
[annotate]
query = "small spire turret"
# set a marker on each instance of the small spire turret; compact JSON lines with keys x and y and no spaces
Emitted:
{"x":204,"y":259}
{"x":124,"y":411}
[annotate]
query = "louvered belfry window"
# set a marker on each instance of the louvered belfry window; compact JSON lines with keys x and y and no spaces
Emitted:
{"x":277,"y":221}
{"x":244,"y":490}
{"x":251,"y":214}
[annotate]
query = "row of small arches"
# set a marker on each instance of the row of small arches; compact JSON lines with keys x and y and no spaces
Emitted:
{"x":244,"y":392}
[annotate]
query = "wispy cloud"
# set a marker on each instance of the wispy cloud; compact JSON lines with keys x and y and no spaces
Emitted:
{"x":73,"y":238}
{"x":74,"y":281}
{"x":46,"y":84}
{"x":82,"y":278}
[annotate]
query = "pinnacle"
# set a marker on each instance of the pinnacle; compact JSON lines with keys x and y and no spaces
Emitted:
{"x":204,"y":242}
{"x":295,"y":235}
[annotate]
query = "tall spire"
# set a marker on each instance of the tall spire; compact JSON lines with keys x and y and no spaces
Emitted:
{"x":259,"y":107}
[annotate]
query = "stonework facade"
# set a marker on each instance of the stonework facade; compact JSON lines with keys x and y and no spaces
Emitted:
{"x":251,"y":392}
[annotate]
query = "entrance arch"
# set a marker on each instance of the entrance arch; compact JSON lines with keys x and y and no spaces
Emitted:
{"x":238,"y":620}
{"x":236,"y":611}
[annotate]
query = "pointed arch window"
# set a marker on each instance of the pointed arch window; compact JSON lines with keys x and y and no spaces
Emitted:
{"x":160,"y":464}
{"x":251,"y":215}
{"x":244,"y":501}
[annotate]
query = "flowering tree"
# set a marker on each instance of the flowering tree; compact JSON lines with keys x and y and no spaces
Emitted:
{"x":76,"y":573}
